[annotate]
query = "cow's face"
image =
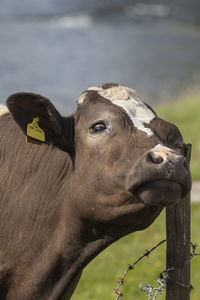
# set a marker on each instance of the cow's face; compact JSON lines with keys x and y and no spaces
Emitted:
{"x":127,"y":163}
{"x":126,"y":155}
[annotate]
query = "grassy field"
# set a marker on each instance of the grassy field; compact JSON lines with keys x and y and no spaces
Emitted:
{"x":185,"y":113}
{"x":100,"y":277}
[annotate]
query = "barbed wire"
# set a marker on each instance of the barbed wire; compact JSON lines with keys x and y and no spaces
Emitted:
{"x":193,"y":254}
{"x":153,"y":292}
{"x":131,"y":267}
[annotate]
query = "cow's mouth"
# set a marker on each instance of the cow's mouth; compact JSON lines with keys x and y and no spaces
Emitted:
{"x":160,"y":192}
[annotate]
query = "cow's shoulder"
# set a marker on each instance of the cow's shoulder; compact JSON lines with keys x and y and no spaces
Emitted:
{"x":3,"y":110}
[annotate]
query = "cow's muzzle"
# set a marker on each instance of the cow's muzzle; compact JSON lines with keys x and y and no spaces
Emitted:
{"x":161,"y":176}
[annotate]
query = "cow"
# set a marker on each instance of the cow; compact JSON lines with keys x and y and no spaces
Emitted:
{"x":71,"y":186}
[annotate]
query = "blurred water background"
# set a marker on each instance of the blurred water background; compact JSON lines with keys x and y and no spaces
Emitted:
{"x":60,"y":47}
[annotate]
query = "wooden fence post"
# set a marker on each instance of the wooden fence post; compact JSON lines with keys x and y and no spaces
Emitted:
{"x":178,"y":247}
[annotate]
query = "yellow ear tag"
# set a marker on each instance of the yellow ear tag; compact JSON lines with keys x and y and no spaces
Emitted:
{"x":34,"y":131}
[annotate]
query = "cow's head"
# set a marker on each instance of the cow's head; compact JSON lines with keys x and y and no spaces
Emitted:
{"x":127,"y":162}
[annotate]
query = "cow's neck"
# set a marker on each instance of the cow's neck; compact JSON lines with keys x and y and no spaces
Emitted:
{"x":87,"y":245}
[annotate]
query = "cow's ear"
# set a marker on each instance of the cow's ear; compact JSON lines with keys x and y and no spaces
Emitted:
{"x":40,"y":120}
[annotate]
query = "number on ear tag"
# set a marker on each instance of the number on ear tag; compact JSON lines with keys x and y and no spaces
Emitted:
{"x":34,"y":131}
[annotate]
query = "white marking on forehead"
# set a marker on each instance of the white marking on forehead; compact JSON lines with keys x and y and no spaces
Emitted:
{"x":3,"y":110}
{"x":126,"y":98}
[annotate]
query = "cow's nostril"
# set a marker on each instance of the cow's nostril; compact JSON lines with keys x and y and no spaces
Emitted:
{"x":156,"y":158}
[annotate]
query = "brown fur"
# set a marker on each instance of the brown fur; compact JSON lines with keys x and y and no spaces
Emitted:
{"x":66,"y":200}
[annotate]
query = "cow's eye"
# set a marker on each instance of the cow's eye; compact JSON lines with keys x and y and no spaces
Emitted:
{"x":98,"y":127}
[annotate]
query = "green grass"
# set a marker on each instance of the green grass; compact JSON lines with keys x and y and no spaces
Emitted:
{"x":100,"y":277}
{"x":185,"y":113}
